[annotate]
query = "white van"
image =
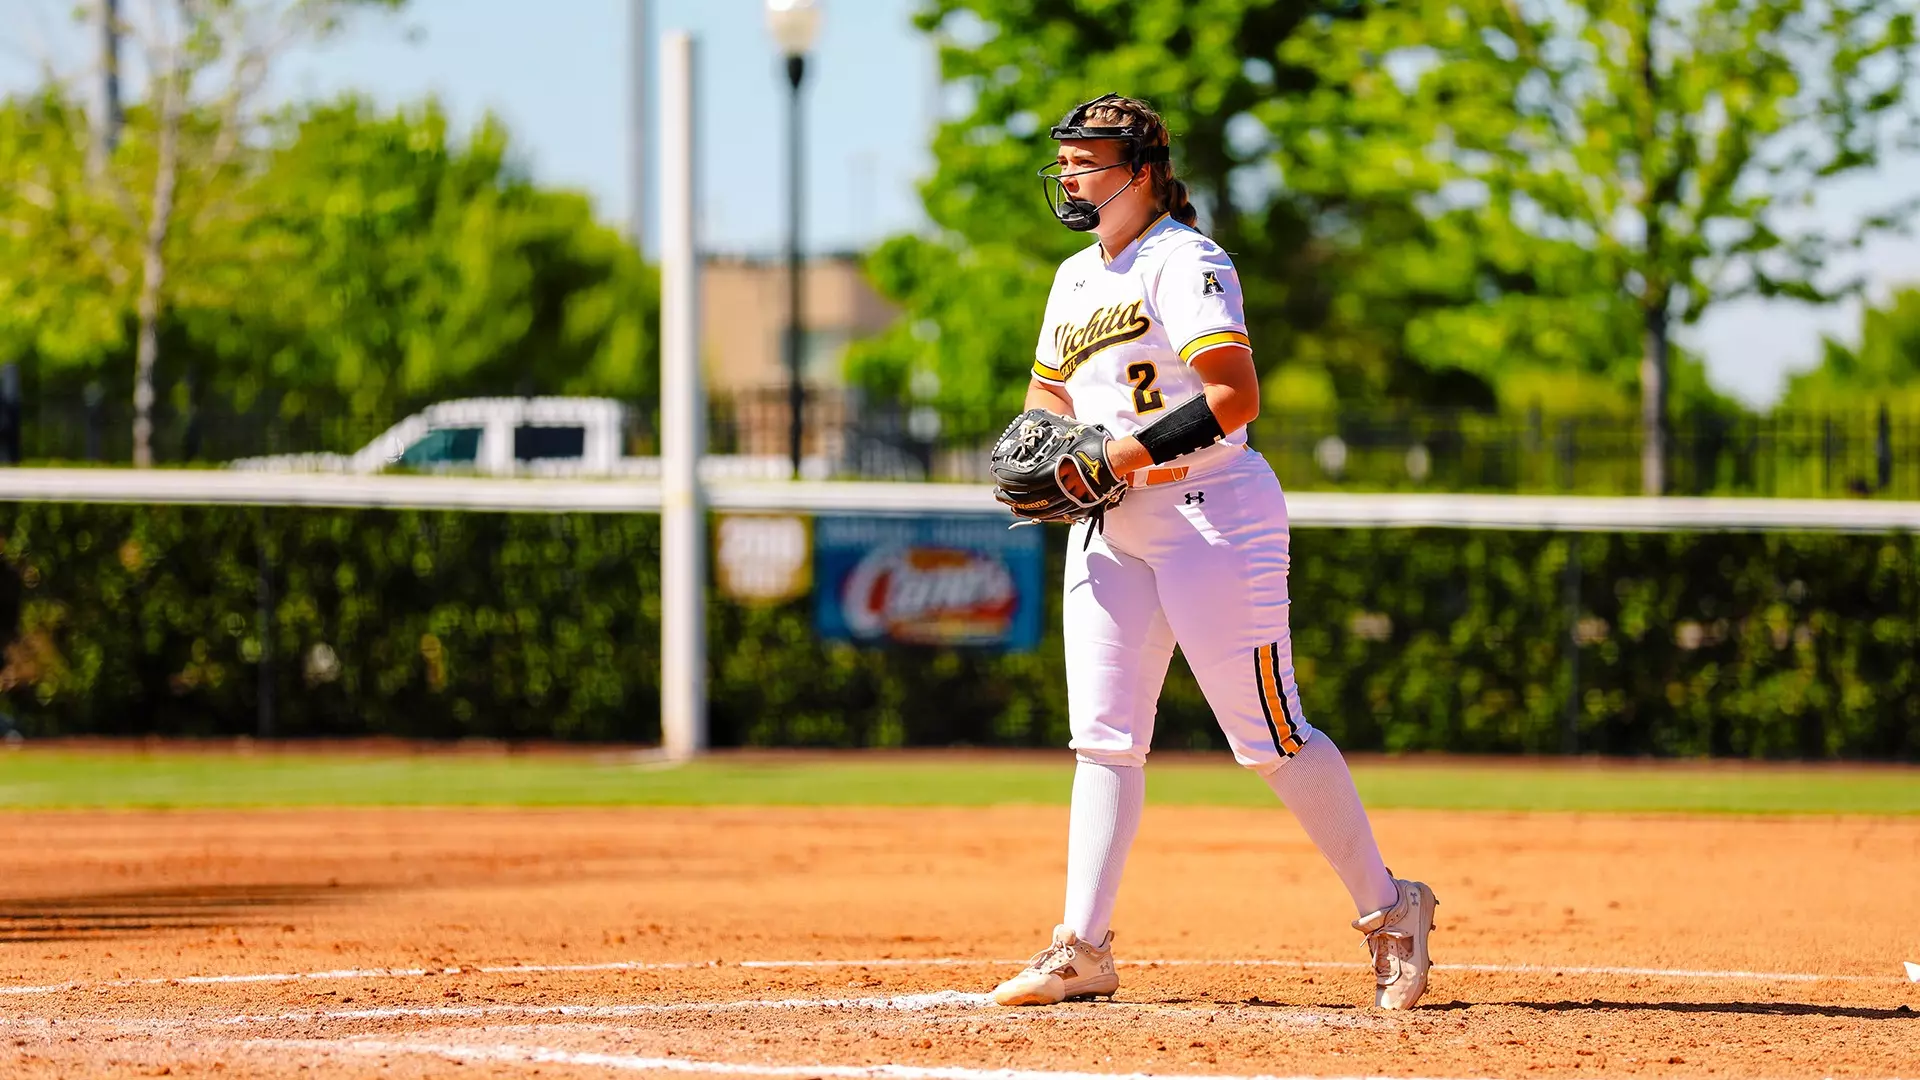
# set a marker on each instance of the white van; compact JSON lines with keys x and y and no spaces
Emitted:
{"x":538,"y":436}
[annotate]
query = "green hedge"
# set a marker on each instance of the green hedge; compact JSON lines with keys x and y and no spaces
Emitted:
{"x":137,"y":620}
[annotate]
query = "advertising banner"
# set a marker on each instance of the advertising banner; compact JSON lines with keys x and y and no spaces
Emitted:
{"x":948,"y":580}
{"x":762,"y":558}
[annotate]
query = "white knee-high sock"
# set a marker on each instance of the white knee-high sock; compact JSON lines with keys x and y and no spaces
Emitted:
{"x":1106,"y":813}
{"x":1317,"y":787}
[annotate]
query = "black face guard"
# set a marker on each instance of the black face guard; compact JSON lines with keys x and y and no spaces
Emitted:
{"x":1080,"y":215}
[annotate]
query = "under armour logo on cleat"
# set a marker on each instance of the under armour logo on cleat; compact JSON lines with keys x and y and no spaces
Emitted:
{"x":1195,"y":498}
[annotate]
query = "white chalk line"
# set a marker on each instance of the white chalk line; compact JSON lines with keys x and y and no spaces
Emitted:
{"x":543,"y":1055}
{"x":903,"y":962}
{"x":939,"y":999}
{"x":969,"y":1006}
{"x":1515,"y":969}
{"x":352,"y":973}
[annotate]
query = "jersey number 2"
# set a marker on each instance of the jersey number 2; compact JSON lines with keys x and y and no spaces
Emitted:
{"x":1145,"y":397}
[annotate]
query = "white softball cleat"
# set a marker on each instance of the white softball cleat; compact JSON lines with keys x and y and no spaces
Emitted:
{"x":1068,"y":968}
{"x":1397,"y":937}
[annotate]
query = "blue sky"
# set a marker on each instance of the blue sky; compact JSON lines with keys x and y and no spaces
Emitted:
{"x":556,"y":73}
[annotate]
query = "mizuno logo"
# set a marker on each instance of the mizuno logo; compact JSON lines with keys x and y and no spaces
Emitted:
{"x":1093,"y":467}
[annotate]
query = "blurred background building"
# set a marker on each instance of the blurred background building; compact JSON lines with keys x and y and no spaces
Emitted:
{"x":744,"y":320}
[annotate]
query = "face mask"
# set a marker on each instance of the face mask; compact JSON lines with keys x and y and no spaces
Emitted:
{"x":1081,"y":215}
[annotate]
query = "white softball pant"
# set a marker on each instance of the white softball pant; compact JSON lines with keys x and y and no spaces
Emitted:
{"x":1201,"y":561}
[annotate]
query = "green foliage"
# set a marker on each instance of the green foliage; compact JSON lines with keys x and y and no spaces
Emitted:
{"x":64,"y":295}
{"x":1589,"y":172}
{"x":134,"y":620}
{"x":166,"y":191}
{"x":1884,"y":369}
{"x":439,"y":625}
{"x":1481,"y":205}
{"x":973,"y":314}
{"x":409,"y":266}
{"x":1729,"y":645}
{"x":975,"y":291}
{"x":362,"y":261}
{"x":71,"y":249}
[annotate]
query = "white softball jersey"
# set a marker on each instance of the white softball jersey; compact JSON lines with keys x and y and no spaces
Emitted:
{"x":1197,"y":554}
{"x":1119,"y":335}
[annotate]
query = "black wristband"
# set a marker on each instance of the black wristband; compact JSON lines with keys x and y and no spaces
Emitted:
{"x":1190,"y":426}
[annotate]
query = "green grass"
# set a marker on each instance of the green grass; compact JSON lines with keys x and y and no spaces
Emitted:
{"x":53,"y":778}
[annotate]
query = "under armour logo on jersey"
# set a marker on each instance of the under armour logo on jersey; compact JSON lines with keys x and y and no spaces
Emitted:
{"x":1196,"y":498}
{"x":1210,"y":284}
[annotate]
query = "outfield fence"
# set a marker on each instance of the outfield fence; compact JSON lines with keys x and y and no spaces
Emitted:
{"x":1867,"y":452}
{"x":1305,"y":509}
{"x":217,"y":603}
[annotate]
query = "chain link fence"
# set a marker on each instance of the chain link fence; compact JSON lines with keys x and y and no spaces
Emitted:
{"x":844,"y":433}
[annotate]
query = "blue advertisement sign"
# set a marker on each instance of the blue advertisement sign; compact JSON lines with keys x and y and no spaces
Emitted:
{"x":947,"y":580}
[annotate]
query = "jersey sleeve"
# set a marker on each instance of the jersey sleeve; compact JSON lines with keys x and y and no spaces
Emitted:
{"x":1199,"y":300}
{"x":1046,"y":357}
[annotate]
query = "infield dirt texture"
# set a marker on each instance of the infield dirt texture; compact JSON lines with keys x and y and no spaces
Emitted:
{"x":804,"y":942}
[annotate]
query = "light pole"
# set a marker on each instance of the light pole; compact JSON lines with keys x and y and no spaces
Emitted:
{"x":794,"y":24}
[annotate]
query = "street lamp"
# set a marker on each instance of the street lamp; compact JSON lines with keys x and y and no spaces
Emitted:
{"x":794,"y":23}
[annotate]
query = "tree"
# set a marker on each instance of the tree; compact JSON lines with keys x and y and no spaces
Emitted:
{"x":205,"y":62}
{"x":361,"y":262}
{"x":975,"y":289}
{"x":1884,"y":369}
{"x":63,"y":277}
{"x":1618,"y":165}
{"x":401,"y":263}
{"x":71,"y":260}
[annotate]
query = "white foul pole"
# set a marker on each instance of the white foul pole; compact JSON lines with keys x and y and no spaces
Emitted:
{"x":683,"y":524}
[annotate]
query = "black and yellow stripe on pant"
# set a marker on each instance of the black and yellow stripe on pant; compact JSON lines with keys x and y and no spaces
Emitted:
{"x":1273,"y":700}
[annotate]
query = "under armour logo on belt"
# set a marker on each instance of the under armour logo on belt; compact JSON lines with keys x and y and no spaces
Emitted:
{"x":1195,"y":498}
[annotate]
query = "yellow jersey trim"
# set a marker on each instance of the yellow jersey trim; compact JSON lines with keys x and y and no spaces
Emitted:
{"x":1164,"y":215}
{"x":1208,"y":341}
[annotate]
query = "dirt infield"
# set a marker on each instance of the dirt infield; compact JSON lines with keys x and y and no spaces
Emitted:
{"x":809,"y":943}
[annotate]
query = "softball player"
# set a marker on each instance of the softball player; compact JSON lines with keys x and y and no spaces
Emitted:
{"x":1145,"y":335}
